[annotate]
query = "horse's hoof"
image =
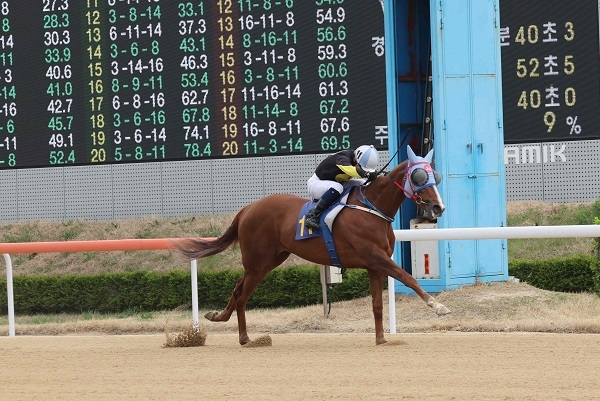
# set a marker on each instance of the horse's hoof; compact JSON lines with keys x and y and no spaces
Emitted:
{"x":441,"y":310}
{"x":210,"y":315}
{"x":380,"y":342}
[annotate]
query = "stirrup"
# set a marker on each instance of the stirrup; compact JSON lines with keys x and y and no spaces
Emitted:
{"x":312,"y":222}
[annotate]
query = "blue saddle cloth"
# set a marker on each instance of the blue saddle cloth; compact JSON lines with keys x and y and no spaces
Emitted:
{"x":303,"y":232}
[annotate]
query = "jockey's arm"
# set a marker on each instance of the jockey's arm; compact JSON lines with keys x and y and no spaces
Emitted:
{"x":352,"y":171}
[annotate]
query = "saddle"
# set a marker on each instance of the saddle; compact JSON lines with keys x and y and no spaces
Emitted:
{"x":326,"y":219}
{"x":328,"y":216}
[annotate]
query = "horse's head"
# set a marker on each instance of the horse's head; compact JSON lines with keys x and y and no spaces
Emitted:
{"x":419,"y":182}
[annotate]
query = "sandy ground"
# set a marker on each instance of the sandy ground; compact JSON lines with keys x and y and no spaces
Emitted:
{"x":433,"y":366}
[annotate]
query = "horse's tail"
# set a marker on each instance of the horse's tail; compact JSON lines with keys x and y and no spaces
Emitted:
{"x":196,"y":248}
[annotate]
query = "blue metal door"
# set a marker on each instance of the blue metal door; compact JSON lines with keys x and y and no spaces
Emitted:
{"x":468,"y":135}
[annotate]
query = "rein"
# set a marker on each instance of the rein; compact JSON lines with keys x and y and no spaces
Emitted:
{"x":370,"y":208}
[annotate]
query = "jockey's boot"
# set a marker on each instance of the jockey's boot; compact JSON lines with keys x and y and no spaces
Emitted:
{"x":312,"y":218}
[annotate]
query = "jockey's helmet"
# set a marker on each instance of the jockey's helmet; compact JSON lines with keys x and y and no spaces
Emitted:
{"x":367,"y":157}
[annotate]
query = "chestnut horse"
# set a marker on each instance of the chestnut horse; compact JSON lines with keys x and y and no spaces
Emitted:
{"x":265,"y":231}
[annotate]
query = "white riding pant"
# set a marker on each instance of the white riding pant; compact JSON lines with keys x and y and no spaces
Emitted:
{"x":317,"y":187}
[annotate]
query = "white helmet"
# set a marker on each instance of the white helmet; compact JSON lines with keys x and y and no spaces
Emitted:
{"x":367,"y":157}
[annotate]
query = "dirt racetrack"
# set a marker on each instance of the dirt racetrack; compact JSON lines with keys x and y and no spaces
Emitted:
{"x":432,"y":366}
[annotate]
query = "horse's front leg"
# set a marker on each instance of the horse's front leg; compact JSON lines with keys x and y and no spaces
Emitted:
{"x":376,"y":280}
{"x":388,"y":267}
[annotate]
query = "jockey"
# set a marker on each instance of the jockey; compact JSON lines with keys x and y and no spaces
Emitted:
{"x":337,"y":171}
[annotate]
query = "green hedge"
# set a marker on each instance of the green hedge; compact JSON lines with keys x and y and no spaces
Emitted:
{"x":289,"y":287}
{"x":573,"y":274}
{"x":151,"y":291}
{"x":595,"y":267}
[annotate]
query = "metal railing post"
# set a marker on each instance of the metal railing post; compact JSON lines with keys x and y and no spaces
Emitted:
{"x":10,"y":295}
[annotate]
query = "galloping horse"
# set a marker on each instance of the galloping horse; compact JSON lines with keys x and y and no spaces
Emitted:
{"x":265,"y":231}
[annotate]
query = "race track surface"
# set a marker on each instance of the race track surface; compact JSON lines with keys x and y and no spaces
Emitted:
{"x":434,"y":366}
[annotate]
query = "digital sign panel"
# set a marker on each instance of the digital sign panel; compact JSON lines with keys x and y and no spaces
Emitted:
{"x":550,"y":70}
{"x":115,"y":81}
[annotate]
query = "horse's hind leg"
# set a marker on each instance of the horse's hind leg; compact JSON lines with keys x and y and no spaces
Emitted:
{"x":250,"y":283}
{"x":243,"y":289}
{"x":254,"y":274}
{"x":226,"y":313}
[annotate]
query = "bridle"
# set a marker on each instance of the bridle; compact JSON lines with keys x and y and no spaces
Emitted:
{"x":414,"y":192}
{"x":421,"y":177}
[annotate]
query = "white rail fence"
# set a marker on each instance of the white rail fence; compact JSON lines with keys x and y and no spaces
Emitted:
{"x":485,"y":233}
{"x":571,"y":231}
{"x":87,"y":246}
